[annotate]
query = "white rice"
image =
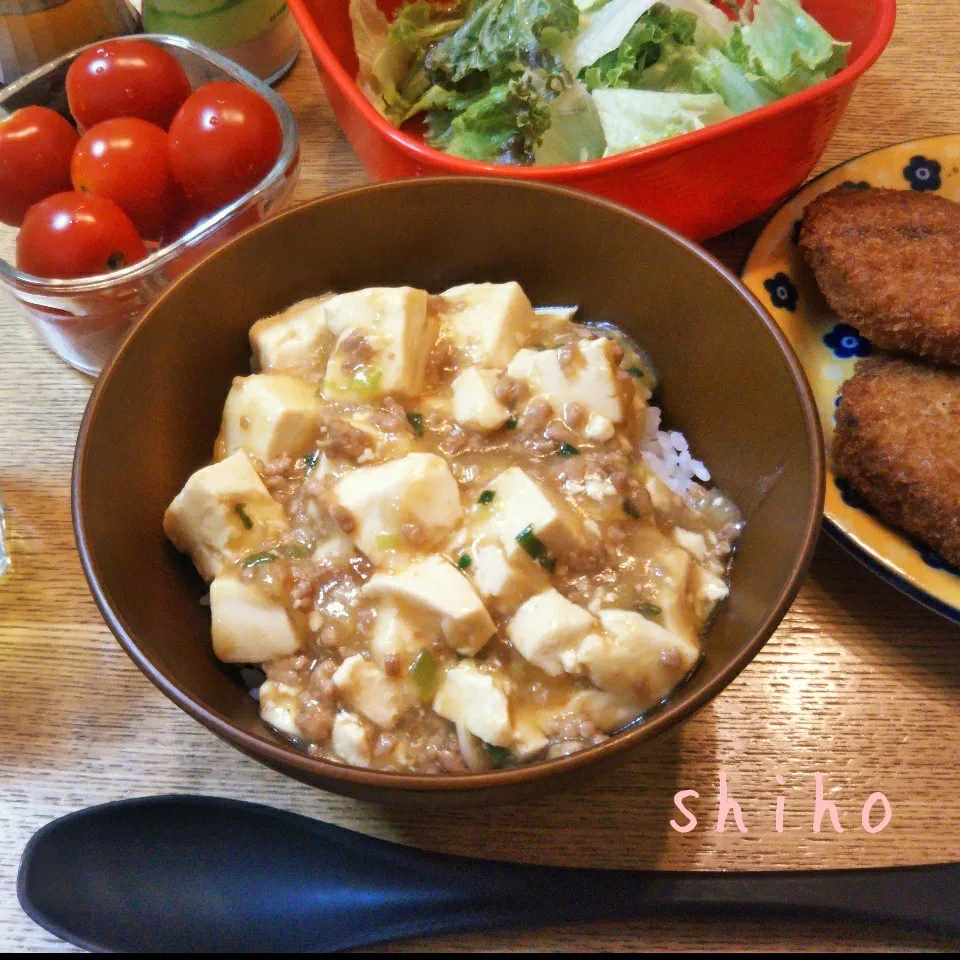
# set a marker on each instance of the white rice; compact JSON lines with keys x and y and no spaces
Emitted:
{"x":668,"y":456}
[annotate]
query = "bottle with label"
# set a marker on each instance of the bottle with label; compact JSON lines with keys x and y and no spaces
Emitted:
{"x":260,"y":35}
{"x":34,"y":32}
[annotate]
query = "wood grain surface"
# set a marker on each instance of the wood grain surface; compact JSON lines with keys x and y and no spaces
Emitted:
{"x":859,"y":683}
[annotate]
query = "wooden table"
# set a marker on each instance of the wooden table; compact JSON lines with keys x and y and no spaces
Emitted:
{"x":859,"y":684}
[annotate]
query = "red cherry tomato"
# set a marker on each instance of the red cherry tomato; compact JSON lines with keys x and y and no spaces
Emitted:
{"x":223,"y":141}
{"x":186,"y":219}
{"x":126,"y":78}
{"x":76,"y":235}
{"x":125,"y":160}
{"x":35,"y":148}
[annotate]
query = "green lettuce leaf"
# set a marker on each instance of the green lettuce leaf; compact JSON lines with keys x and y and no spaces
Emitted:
{"x":575,"y":133}
{"x":391,"y":54}
{"x":714,"y":28}
{"x":739,"y":90}
{"x":605,"y":32}
{"x":786,"y":47}
{"x":636,"y":118}
{"x":500,"y":38}
{"x":500,"y":125}
{"x":658,"y":32}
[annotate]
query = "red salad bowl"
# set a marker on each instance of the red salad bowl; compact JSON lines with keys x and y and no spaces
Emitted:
{"x":700,"y":184}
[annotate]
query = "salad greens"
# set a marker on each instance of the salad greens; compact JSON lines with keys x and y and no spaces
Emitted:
{"x":560,"y":81}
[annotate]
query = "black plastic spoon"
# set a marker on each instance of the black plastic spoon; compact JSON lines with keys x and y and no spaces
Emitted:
{"x":185,"y":873}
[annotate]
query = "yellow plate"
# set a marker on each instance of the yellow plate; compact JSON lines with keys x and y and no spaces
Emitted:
{"x":828,"y":350}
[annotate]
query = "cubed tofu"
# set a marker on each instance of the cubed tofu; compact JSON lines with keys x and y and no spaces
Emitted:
{"x":675,"y":597}
{"x":636,"y":657}
{"x":661,"y":496}
{"x":336,"y":550}
{"x":278,"y":707}
{"x":547,"y":627}
{"x":399,"y":331}
{"x":707,"y":591}
{"x":270,"y":415}
{"x":475,"y":402}
{"x":478,"y":700}
{"x":528,"y":739}
{"x":439,"y":589}
{"x":418,"y":488}
{"x":297,"y":337}
{"x":369,"y":691}
{"x":590,"y":379}
{"x":349,"y":739}
{"x":248,"y":626}
{"x":598,"y":428}
{"x":561,"y":317}
{"x":222,"y":514}
{"x":609,"y":711}
{"x":490,"y":322}
{"x":694,"y":543}
{"x":503,"y":582}
{"x":398,"y":635}
{"x":520,"y":502}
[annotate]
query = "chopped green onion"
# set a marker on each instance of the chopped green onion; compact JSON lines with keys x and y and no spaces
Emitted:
{"x":511,"y":424}
{"x":423,"y":674}
{"x":267,"y":557}
{"x":364,"y":384}
{"x":416,"y":422}
{"x":535,"y":548}
{"x":635,"y":372}
{"x":244,"y":516}
{"x":499,"y":756}
{"x":630,"y":510}
{"x":649,"y":610}
{"x":487,"y":496}
{"x":568,"y":450}
{"x":298,"y":551}
{"x":388,"y":541}
{"x":464,"y":562}
{"x":310,"y":461}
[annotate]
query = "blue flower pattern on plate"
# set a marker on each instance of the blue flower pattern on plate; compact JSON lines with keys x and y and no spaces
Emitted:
{"x":922,"y":174}
{"x":782,"y":292}
{"x":856,"y":185}
{"x":846,"y":342}
{"x":933,"y":559}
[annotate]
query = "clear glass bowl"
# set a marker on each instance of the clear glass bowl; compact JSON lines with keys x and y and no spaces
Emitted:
{"x":84,"y":320}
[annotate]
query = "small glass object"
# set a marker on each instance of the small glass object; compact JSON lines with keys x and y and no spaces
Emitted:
{"x":260,"y":35}
{"x":34,"y":32}
{"x":4,"y":557}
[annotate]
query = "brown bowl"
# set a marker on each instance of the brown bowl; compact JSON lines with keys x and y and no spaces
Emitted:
{"x":730,"y":382}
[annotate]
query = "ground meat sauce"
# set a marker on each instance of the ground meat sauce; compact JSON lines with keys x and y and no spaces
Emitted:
{"x":647,"y":551}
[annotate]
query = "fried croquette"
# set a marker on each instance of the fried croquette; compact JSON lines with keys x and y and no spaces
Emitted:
{"x":888,"y":263}
{"x":897,"y":442}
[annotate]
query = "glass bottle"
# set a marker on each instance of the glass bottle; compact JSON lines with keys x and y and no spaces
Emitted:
{"x":260,"y":35}
{"x":4,"y":558}
{"x":33,"y":32}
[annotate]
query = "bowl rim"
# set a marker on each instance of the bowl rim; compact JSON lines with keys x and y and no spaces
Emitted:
{"x":203,"y":229}
{"x":420,"y":151}
{"x":660,"y":719}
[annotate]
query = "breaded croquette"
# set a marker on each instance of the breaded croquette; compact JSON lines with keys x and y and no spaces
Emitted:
{"x":897,"y":442}
{"x":888,"y":262}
